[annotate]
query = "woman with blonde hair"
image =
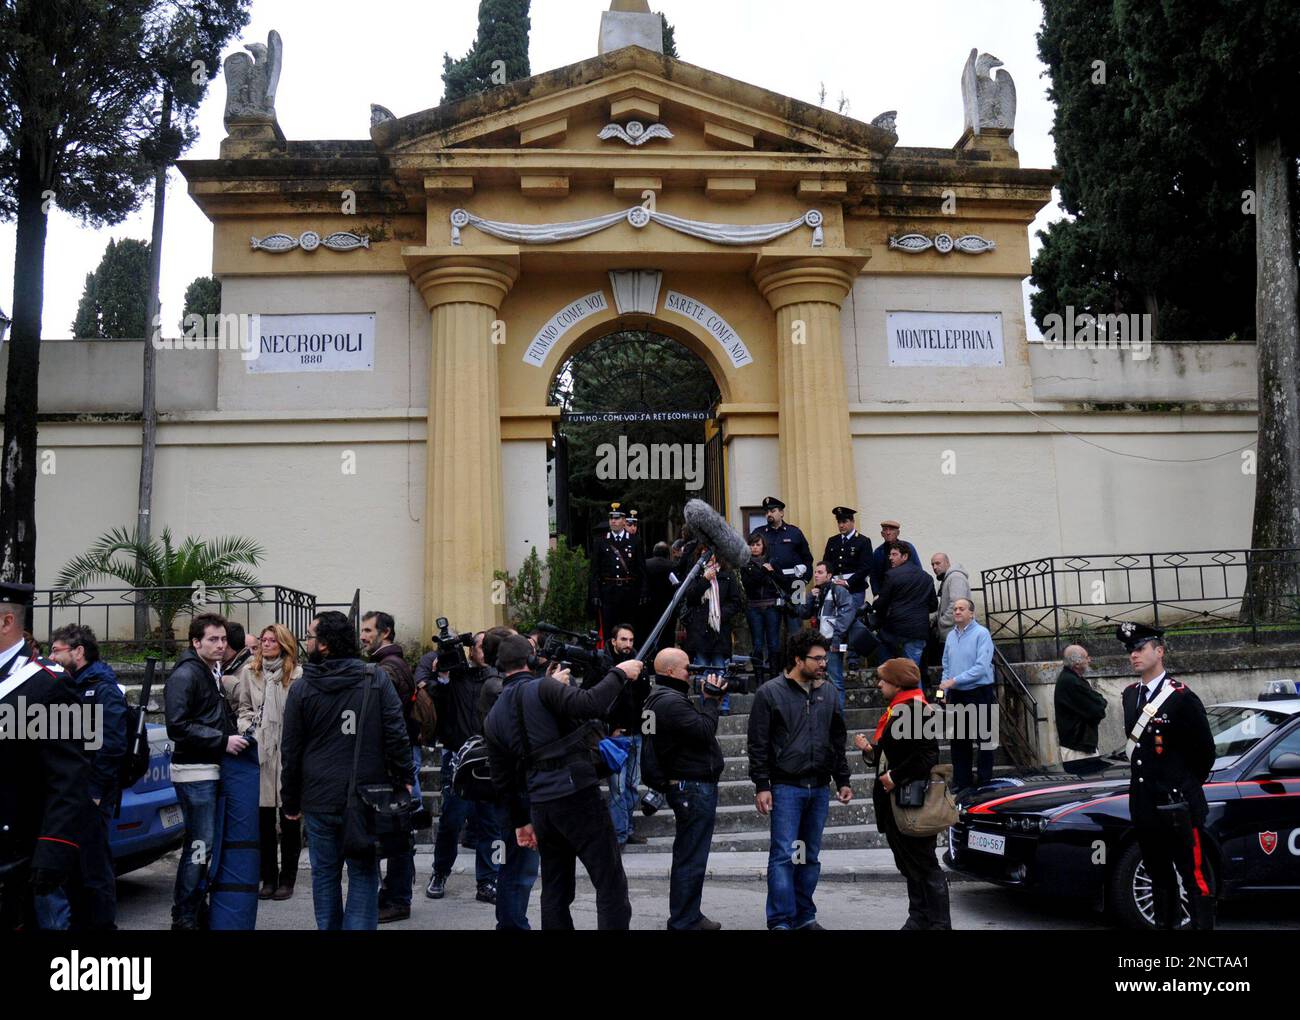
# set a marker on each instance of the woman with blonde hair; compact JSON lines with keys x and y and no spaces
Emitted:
{"x":263,"y":687}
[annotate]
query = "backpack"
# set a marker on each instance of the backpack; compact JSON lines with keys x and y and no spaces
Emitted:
{"x":652,"y":773}
{"x":471,"y":777}
{"x":425,"y":714}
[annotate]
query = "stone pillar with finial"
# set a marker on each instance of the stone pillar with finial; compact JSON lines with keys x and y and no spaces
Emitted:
{"x":630,"y":23}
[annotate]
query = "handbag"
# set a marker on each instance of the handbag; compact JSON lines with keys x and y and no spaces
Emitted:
{"x":376,"y":814}
{"x":924,"y":807}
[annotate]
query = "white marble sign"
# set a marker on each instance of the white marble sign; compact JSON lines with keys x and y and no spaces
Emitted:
{"x":315,"y":343}
{"x":971,"y":339}
{"x":716,"y":326}
{"x":561,"y":322}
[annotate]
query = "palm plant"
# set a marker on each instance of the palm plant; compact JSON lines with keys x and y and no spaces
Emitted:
{"x":169,"y":577}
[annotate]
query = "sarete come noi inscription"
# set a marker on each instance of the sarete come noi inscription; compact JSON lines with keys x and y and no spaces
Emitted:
{"x":715,"y":324}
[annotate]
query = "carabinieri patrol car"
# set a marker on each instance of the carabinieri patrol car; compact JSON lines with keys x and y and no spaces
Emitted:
{"x":1066,"y":830}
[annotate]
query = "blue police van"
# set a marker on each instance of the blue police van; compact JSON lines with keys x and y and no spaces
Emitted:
{"x":149,"y":823}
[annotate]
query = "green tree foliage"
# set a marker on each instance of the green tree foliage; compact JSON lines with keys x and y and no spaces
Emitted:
{"x":113,"y":303}
{"x":670,"y":37}
{"x":565,"y":604}
{"x":1156,"y":206}
{"x":524,"y":594}
{"x":499,"y":53}
{"x":629,"y":371}
{"x":202,"y":297}
{"x":174,"y":579}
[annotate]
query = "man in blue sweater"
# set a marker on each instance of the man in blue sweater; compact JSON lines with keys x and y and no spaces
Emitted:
{"x":968,"y":680}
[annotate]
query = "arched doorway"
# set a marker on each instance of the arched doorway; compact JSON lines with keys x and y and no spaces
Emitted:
{"x":637,"y":426}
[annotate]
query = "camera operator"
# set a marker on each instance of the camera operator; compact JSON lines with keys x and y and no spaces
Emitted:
{"x":456,"y":695}
{"x":688,"y":757}
{"x":624,"y":721}
{"x":538,"y":742}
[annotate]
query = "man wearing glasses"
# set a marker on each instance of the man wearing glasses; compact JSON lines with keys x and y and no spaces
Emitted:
{"x":796,"y":746}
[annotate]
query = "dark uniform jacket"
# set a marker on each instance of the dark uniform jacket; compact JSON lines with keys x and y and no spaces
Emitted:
{"x":317,"y":748}
{"x":787,"y":550}
{"x":1173,"y":758}
{"x":701,"y":639}
{"x":550,"y":710}
{"x":904,"y":602}
{"x":685,"y":734}
{"x":457,"y":703}
{"x":796,"y":738}
{"x":620,"y":559}
{"x":1079,"y":711}
{"x":850,"y":556}
{"x":199,"y":719}
{"x":44,"y":794}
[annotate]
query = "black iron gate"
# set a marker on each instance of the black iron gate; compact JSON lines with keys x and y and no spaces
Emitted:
{"x":715,"y":469}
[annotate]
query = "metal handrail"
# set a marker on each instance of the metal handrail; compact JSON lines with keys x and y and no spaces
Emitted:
{"x":1019,"y":691}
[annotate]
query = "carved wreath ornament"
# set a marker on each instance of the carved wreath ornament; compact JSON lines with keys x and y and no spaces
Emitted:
{"x":944,"y":244}
{"x":309,"y":240}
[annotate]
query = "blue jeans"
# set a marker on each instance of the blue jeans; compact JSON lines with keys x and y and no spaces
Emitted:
{"x":695,"y":806}
{"x":622,"y":791}
{"x":765,"y":629}
{"x":395,"y":891}
{"x":199,"y":808}
{"x":325,"y":850}
{"x":517,"y":876}
{"x":452,"y":815}
{"x":835,"y":670}
{"x":914,"y":648}
{"x":793,"y":867}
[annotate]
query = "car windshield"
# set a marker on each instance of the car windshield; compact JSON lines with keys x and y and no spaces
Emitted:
{"x":1236,"y":729}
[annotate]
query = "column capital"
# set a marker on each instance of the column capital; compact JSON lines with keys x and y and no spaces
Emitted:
{"x":827,"y":276}
{"x":453,"y":274}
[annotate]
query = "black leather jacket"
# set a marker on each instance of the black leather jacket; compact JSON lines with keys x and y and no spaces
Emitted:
{"x":198,"y":717}
{"x":796,"y":738}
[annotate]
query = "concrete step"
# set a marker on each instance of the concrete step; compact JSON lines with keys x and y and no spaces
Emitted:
{"x":834,"y":837}
{"x":854,"y":718}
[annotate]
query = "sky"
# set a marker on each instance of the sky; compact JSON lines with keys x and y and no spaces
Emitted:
{"x":339,"y":57}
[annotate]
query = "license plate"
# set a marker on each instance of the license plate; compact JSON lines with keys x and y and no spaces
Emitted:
{"x":171,"y":816}
{"x":986,"y":842}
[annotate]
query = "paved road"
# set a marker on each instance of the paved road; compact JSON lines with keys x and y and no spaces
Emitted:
{"x":144,"y":902}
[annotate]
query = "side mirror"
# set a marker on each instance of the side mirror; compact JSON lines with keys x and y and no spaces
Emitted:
{"x":1285,"y":764}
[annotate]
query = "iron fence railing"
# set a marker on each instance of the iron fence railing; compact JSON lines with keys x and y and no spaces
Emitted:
{"x":1253,"y":592}
{"x":1019,"y":715}
{"x":110,"y":612}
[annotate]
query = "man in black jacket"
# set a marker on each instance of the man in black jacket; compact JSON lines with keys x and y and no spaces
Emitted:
{"x":659,"y":588}
{"x":624,"y":721}
{"x":537,"y":743}
{"x":796,"y":746}
{"x":688,"y":758}
{"x":201,"y":727}
{"x":1079,"y":709}
{"x":457,"y":693}
{"x":341,"y":711}
{"x":904,"y":602}
{"x":44,"y":803}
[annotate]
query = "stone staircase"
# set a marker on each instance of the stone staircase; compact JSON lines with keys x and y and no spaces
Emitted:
{"x":739,"y":826}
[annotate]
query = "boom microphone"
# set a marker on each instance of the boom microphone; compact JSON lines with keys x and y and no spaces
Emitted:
{"x":711,"y":528}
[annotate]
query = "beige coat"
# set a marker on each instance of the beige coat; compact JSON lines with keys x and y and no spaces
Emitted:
{"x":254,"y":699}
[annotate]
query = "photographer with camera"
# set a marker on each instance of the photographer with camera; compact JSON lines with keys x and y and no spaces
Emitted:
{"x":831,"y":605}
{"x":462,"y":672}
{"x":543,"y":741}
{"x":684,"y":761}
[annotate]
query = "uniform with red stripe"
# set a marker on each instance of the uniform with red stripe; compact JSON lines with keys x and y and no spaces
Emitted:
{"x":1170,"y":764}
{"x":44,"y":797}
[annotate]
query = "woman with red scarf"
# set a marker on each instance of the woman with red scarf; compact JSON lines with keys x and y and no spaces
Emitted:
{"x":901,"y":753}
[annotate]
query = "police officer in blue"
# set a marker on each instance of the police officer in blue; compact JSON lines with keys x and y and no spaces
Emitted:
{"x":617,"y":586}
{"x":1171,"y":752}
{"x":848,"y":555}
{"x":787,"y":552}
{"x":880,"y":558}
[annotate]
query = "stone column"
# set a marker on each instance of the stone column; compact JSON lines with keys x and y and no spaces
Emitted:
{"x":463,"y":512}
{"x":816,"y":450}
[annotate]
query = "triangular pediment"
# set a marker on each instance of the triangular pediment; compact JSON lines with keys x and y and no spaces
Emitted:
{"x":569,"y":108}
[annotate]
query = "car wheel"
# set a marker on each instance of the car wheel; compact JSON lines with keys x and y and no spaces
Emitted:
{"x":1131,"y":897}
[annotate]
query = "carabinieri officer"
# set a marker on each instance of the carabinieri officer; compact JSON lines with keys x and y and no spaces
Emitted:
{"x":1171,"y":752}
{"x":788,"y":552}
{"x":848,"y":554}
{"x":617,"y":586}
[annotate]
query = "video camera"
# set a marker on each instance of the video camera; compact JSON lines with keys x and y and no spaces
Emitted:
{"x":570,"y":650}
{"x":451,"y":646}
{"x":738,"y":667}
